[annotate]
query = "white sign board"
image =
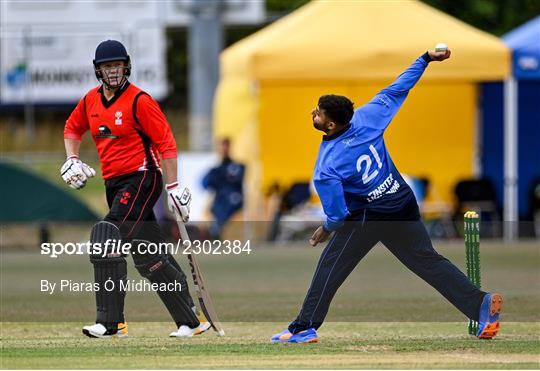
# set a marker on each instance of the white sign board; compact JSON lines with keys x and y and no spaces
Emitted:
{"x":47,"y":46}
{"x":53,"y":66}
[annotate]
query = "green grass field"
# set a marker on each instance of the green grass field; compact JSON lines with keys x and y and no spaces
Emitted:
{"x":343,"y":345}
{"x":382,"y":317}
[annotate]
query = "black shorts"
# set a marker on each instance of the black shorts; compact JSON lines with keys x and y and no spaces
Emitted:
{"x":131,"y":199}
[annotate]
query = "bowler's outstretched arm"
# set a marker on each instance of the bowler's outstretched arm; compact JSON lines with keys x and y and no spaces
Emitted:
{"x":380,"y":111}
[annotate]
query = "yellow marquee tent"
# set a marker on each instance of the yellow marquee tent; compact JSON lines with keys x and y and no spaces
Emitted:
{"x":271,"y":80}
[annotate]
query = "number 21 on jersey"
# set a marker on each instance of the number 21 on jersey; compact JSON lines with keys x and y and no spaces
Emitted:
{"x":367,"y":176}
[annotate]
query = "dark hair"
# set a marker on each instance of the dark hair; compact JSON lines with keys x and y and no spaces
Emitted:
{"x":338,"y":108}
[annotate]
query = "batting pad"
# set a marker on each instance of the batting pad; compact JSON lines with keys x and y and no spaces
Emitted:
{"x":159,"y":268}
{"x":110,"y":269}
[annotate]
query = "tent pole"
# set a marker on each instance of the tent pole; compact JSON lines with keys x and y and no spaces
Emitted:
{"x":510,"y":160}
{"x":478,"y":149}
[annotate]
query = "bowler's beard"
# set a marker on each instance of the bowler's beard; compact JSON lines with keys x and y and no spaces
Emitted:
{"x":320,"y":126}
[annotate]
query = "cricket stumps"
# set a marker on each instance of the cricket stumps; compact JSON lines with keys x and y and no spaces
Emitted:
{"x":472,"y":254}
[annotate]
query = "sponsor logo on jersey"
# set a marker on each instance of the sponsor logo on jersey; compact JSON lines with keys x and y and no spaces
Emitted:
{"x":105,"y":132}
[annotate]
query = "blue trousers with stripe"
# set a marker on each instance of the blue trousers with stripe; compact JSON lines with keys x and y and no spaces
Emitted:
{"x":407,"y":239}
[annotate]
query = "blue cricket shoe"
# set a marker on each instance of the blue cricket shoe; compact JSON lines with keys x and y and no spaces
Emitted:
{"x":306,"y":336}
{"x":488,"y":324}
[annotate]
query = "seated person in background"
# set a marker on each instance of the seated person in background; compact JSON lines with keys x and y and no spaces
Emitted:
{"x":226,"y":180}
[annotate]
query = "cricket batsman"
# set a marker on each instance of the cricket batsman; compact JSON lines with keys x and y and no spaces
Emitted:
{"x":131,"y":133}
{"x":366,"y":200}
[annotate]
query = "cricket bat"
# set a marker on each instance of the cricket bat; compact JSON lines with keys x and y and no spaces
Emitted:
{"x":207,"y":306}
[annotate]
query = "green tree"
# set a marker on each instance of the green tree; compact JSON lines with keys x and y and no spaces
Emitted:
{"x":494,"y":16}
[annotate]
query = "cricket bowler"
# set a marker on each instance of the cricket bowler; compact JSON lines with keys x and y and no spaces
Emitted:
{"x":366,"y":200}
{"x":131,"y":133}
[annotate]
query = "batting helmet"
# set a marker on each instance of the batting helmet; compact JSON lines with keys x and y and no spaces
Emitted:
{"x":111,"y":50}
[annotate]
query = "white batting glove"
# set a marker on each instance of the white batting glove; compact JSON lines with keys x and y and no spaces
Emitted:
{"x":179,"y":200}
{"x":76,"y":173}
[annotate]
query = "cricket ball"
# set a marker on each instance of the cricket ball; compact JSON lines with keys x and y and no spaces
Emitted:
{"x":441,"y":47}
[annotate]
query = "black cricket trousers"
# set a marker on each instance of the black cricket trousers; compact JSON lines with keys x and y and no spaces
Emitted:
{"x":131,"y":199}
{"x":405,"y":236}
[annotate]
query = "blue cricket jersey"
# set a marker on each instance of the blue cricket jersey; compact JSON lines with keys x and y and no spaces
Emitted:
{"x":354,"y":171}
